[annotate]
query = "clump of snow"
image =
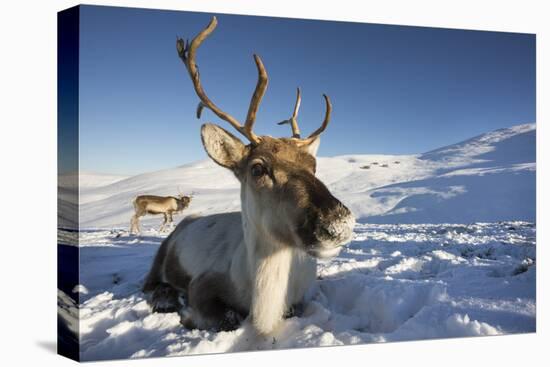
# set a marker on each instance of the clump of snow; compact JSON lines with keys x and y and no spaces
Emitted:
{"x":462,"y":325}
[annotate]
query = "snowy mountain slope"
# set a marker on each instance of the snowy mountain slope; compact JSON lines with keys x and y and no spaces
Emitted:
{"x":67,"y":209}
{"x":488,"y":178}
{"x":68,"y":185}
{"x":503,"y":193}
{"x":500,"y":147}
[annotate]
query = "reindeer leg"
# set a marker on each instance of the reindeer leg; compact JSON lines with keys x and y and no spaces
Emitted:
{"x":170,"y":220}
{"x":211,"y":303}
{"x":165,"y":299}
{"x":134,"y":224}
{"x":163,"y":223}
{"x":138,"y":224}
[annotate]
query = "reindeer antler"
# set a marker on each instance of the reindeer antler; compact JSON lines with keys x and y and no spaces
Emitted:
{"x":316,"y":133}
{"x":294,"y":122}
{"x":187,"y":52}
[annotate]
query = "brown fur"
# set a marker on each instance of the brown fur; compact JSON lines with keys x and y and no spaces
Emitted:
{"x":291,"y":178}
{"x":281,"y":153}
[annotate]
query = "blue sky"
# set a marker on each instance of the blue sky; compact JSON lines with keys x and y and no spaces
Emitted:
{"x":394,"y":89}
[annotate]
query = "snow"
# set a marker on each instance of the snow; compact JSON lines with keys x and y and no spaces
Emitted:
{"x":445,"y":246}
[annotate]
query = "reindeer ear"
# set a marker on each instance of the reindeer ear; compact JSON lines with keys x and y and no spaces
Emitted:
{"x":222,"y":146}
{"x":313,"y":146}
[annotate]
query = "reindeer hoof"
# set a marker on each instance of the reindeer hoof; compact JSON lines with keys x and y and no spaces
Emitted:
{"x":296,"y":310}
{"x":165,"y":299}
{"x":186,"y":319}
{"x":231,"y":321}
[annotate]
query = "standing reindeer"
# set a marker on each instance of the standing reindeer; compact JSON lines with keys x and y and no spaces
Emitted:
{"x":259,"y":262}
{"x":151,"y":204}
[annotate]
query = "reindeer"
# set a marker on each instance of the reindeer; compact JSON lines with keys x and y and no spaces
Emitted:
{"x":151,"y":204}
{"x":258,"y":263}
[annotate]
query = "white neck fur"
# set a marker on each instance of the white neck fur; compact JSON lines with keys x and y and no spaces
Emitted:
{"x":269,"y":263}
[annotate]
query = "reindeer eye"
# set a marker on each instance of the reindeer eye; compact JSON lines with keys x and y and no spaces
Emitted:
{"x":257,"y":170}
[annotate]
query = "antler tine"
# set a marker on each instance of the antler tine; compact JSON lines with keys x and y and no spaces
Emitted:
{"x":324,"y":125}
{"x":187,"y":52}
{"x":259,"y":92}
{"x":293,"y":120}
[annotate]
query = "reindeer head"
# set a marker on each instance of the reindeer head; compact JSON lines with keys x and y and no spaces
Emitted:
{"x":183,"y":200}
{"x":281,"y":197}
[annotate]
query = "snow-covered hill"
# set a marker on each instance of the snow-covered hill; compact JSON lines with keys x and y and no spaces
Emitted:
{"x":444,"y":247}
{"x":488,"y":178}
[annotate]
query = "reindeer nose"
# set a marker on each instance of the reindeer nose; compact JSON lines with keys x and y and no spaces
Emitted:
{"x":337,"y":225}
{"x":332,"y":232}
